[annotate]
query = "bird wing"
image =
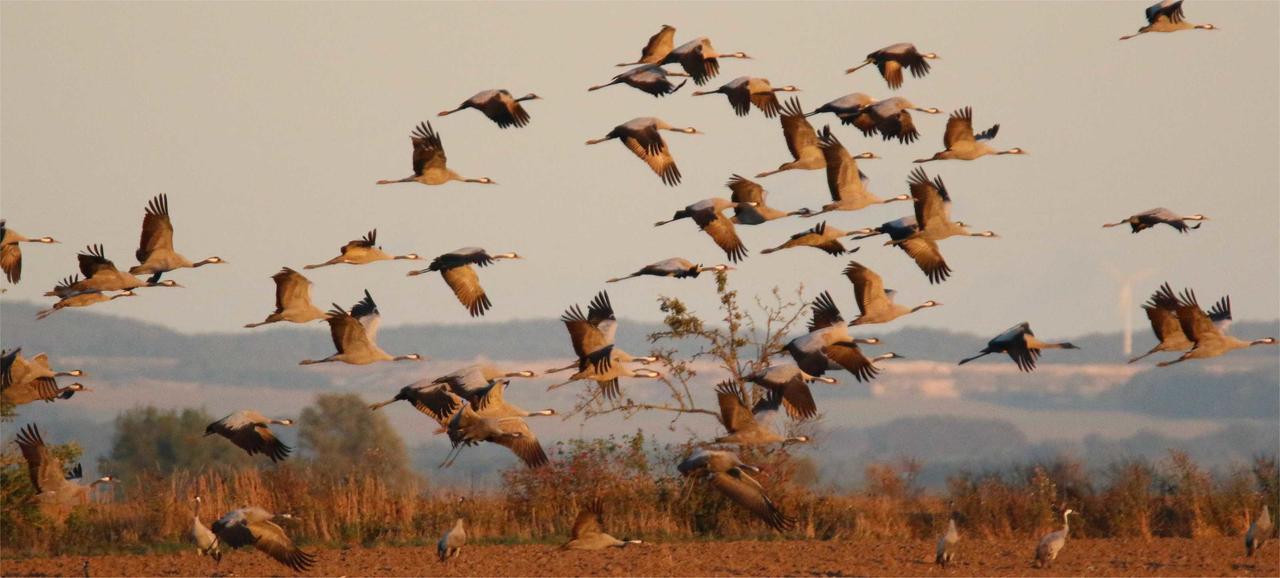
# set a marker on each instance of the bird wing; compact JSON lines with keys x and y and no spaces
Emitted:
{"x":843,"y":180}
{"x":6,"y":367}
{"x":589,"y":519}
{"x":1220,"y":314}
{"x":347,"y":333}
{"x":651,"y":148}
{"x":466,"y":286}
{"x":355,"y":246}
{"x":928,"y":258}
{"x":492,"y":395}
{"x":505,"y":111}
{"x":1166,"y":9}
{"x":868,"y":287}
{"x":157,"y":230}
{"x":1196,"y":324}
{"x":1162,"y":311}
{"x":272,"y":541}
{"x":292,"y":289}
{"x":11,"y":262}
{"x":524,"y":445}
{"x":366,"y":312}
{"x":436,"y":402}
{"x":428,"y":151}
{"x":825,"y":313}
{"x":659,"y":45}
{"x":1014,"y":342}
{"x":767,"y":102}
{"x":92,"y":260}
{"x":801,"y":138}
{"x":746,"y":492}
{"x":745,"y":190}
{"x":723,"y":233}
{"x":891,"y":70}
{"x":797,"y":398}
{"x":697,"y":66}
{"x":734,"y":413}
{"x":899,"y":125}
{"x":959,"y":127}
{"x":740,"y":98}
{"x":253,"y":438}
{"x":932,"y":203}
{"x":45,"y":469}
{"x":850,"y":357}
{"x":588,"y":341}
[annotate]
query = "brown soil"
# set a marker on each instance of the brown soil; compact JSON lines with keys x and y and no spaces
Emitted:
{"x":1081,"y":557}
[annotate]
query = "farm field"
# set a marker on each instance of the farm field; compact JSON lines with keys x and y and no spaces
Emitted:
{"x":1093,"y":557}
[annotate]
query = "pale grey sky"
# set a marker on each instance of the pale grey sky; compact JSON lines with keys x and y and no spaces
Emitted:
{"x":267,"y":125}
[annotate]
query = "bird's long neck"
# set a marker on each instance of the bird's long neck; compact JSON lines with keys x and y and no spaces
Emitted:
{"x":1066,"y":524}
{"x":208,"y":261}
{"x":1263,"y":341}
{"x":925,"y":305}
{"x":408,"y":179}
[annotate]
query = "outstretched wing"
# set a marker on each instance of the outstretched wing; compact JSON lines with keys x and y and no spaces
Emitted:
{"x":428,"y":151}
{"x":825,"y":313}
{"x":157,"y":230}
{"x":746,"y":492}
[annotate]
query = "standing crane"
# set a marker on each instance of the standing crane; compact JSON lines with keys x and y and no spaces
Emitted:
{"x":498,"y":104}
{"x":641,"y":136}
{"x":204,"y":538}
{"x":1166,"y":16}
{"x":155,"y":248}
{"x":1052,"y":543}
{"x":893,"y":58}
{"x":450,"y":544}
{"x":11,"y":251}
{"x":961,"y":144}
{"x":429,"y":161}
{"x":1259,"y":532}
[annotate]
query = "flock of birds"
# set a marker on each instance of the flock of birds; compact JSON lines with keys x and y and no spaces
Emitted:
{"x":469,"y":404}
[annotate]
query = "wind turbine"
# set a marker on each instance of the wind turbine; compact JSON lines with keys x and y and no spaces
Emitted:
{"x":1126,"y":281}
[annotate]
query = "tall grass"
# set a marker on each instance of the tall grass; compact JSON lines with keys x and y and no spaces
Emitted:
{"x":645,"y":498}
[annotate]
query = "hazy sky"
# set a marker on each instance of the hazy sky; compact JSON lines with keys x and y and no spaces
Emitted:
{"x":267,"y":125}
